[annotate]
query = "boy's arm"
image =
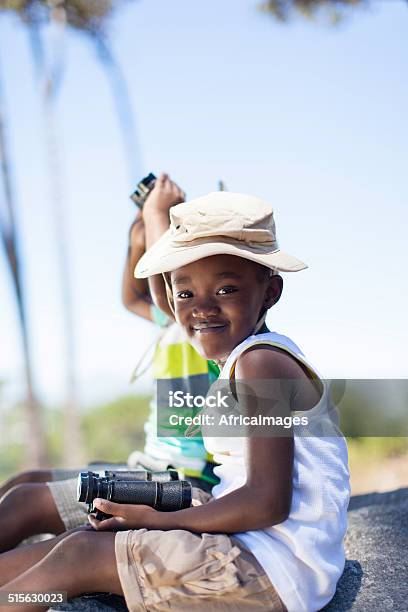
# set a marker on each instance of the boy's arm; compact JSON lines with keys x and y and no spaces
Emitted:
{"x":135,"y":291}
{"x":264,"y":500}
{"x":163,"y":196}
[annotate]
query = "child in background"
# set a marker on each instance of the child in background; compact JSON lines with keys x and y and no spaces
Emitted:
{"x":271,"y":536}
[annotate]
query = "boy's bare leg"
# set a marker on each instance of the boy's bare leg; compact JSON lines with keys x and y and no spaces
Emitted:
{"x":26,"y":510}
{"x":23,"y":478}
{"x":80,"y":563}
{"x":17,"y":561}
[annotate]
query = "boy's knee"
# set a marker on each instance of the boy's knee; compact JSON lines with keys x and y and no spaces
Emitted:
{"x":27,"y":510}
{"x":28,"y":495}
{"x":35,"y":476}
{"x":78,"y":548}
{"x":29,"y":476}
{"x":88,"y":560}
{"x":32,"y":506}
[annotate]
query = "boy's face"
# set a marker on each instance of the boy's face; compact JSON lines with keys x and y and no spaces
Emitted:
{"x":218,"y":301}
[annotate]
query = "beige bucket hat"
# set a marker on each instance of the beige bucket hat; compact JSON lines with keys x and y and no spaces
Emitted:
{"x":220,"y":223}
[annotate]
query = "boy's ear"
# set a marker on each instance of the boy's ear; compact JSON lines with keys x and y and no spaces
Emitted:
{"x":273,"y":291}
{"x":169,"y":292}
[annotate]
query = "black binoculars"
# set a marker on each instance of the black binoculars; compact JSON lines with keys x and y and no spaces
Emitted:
{"x":160,"y":490}
{"x":143,"y":189}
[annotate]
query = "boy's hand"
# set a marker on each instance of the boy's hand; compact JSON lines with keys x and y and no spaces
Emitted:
{"x":165,"y":194}
{"x":124,"y":516}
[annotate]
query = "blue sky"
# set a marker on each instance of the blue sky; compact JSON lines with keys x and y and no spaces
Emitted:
{"x":308,"y":117}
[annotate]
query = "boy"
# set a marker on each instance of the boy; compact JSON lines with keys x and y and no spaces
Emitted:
{"x":53,"y":506}
{"x":272,"y":535}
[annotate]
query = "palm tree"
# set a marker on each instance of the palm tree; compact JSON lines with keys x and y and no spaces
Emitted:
{"x":36,"y":453}
{"x":90,"y":18}
{"x":334,"y":9}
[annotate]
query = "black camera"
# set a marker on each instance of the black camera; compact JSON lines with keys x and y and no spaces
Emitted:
{"x":143,"y":189}
{"x":166,"y":494}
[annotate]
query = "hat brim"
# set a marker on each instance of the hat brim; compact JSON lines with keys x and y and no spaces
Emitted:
{"x":166,"y":255}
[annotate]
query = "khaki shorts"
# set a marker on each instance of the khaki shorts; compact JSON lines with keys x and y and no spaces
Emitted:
{"x":64,"y":493}
{"x":182,"y":571}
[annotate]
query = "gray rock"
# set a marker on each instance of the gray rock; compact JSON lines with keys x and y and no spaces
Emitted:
{"x":376,"y":572}
{"x":103,"y":602}
{"x":375,"y":578}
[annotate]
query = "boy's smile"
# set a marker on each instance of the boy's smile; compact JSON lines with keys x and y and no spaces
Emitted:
{"x":219,"y":299}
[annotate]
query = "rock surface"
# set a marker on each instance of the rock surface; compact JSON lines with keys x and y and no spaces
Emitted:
{"x":376,"y":573}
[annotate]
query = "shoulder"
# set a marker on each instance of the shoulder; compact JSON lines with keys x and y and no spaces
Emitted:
{"x":265,"y":361}
{"x":273,"y":365}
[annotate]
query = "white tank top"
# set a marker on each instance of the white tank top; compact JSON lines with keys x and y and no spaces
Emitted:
{"x":303,"y":556}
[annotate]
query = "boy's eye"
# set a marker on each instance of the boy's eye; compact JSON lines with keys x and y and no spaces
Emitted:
{"x":184,"y":294}
{"x":227,"y":289}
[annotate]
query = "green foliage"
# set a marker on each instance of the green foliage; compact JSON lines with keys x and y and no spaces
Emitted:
{"x":110,"y":432}
{"x":11,"y":440}
{"x":113,"y":431}
{"x":85,"y":15}
{"x":365,"y":449}
{"x":372,"y":408}
{"x":283,"y":10}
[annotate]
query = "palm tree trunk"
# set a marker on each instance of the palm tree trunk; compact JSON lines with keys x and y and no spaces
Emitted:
{"x":117,"y":83}
{"x":72,"y":443}
{"x":50,"y":75}
{"x":35,"y":444}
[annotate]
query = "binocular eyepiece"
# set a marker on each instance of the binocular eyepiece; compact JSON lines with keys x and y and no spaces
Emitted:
{"x":160,"y":490}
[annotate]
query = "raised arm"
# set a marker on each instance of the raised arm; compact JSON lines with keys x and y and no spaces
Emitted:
{"x":135,"y":291}
{"x":156,"y":218}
